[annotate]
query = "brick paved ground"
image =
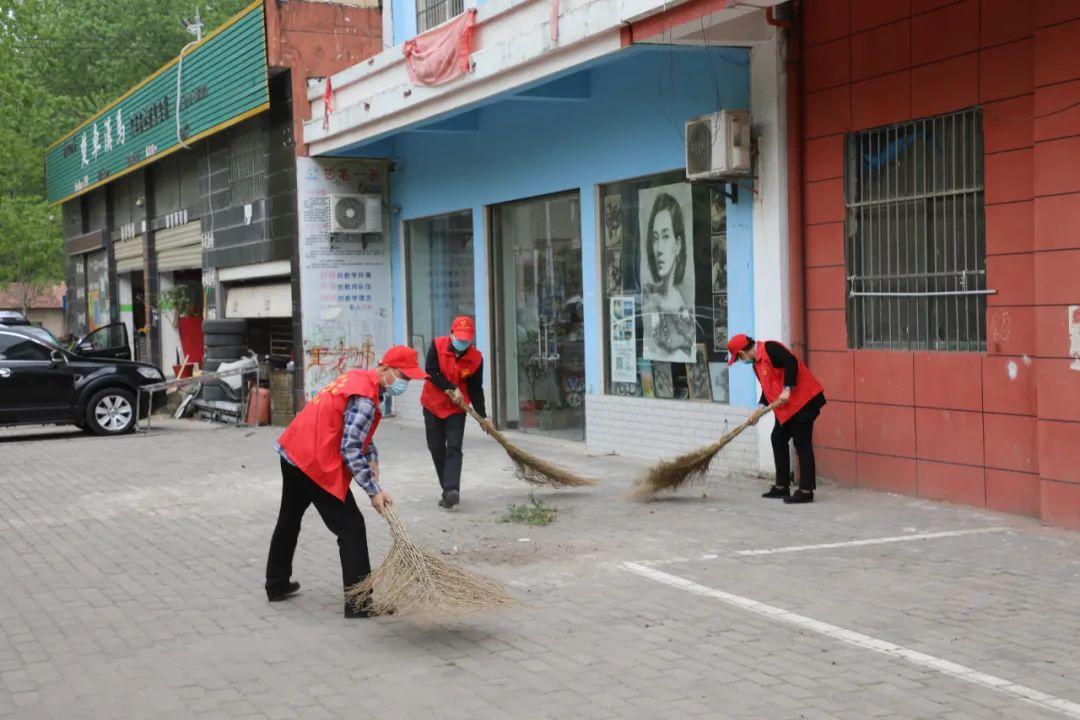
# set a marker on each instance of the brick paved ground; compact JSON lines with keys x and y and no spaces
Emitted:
{"x":131,"y":586}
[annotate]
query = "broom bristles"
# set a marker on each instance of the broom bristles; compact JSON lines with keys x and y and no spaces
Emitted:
{"x":532,"y":469}
{"x":686,"y":468}
{"x":413,"y":582}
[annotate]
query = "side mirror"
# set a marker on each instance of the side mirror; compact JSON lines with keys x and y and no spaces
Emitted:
{"x":84,"y":347}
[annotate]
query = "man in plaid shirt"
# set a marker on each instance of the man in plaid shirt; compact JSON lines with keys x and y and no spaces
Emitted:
{"x":327,"y":447}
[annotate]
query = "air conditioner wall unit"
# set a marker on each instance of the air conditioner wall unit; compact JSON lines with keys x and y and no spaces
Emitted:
{"x":718,"y":146}
{"x":355,"y":214}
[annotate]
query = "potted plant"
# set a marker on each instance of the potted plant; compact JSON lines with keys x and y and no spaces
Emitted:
{"x":532,"y":368}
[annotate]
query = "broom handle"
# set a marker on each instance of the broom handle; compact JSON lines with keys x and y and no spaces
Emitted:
{"x":472,"y":413}
{"x":746,"y":423}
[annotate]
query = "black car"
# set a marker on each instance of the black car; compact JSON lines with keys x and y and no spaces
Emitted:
{"x":93,"y":386}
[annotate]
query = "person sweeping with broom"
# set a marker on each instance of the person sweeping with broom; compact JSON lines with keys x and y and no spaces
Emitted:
{"x":798,"y":399}
{"x":327,"y":446}
{"x":456,"y":372}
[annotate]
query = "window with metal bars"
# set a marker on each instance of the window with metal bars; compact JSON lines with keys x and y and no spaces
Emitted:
{"x":430,"y":13}
{"x":915,"y":238}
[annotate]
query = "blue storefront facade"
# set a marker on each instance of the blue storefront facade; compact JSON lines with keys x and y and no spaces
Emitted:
{"x":541,"y":211}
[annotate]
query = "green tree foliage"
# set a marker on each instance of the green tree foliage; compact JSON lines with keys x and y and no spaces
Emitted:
{"x":31,"y":253}
{"x":61,"y":61}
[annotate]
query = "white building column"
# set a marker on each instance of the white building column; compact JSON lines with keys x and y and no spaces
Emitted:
{"x":772,"y":286}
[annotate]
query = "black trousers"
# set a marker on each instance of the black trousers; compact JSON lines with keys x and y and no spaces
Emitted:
{"x":444,"y":442}
{"x":799,"y":429}
{"x":298,"y":491}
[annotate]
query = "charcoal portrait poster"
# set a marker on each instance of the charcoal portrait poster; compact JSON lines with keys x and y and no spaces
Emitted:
{"x":665,"y":215}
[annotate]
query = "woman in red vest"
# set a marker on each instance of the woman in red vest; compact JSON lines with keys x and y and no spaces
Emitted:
{"x":327,"y":446}
{"x":786,"y":380}
{"x":456,"y":374}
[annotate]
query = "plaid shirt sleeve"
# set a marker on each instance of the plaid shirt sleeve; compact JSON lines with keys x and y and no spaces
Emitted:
{"x":359,"y":417}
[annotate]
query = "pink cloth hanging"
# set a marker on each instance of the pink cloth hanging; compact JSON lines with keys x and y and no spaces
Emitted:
{"x":441,"y":54}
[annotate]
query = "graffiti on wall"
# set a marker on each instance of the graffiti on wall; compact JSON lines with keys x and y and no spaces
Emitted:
{"x":344,"y":281}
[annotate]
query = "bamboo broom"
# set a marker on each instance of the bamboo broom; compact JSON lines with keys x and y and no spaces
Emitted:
{"x":688,"y":467}
{"x":413,"y":582}
{"x":528,"y":467}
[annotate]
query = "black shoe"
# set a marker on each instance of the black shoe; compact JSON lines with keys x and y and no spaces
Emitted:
{"x":800,"y":496}
{"x":776,"y":492}
{"x":363,"y":610}
{"x":281,"y":592}
{"x":450,"y":498}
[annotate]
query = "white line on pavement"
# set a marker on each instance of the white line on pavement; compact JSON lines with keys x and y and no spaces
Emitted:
{"x":827,"y":546}
{"x":945,"y":667}
{"x":873,"y":541}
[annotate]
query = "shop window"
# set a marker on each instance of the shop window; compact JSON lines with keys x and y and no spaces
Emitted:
{"x":430,"y":13}
{"x":665,"y":288}
{"x":916,"y":248}
{"x":247,"y":182}
{"x":97,"y":289}
{"x":440,"y":275}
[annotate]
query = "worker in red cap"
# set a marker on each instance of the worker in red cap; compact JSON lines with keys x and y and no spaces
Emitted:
{"x":784,"y":380}
{"x":327,"y":446}
{"x":456,"y":373}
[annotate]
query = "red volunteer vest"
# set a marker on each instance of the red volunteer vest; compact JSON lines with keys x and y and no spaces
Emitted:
{"x":457,"y":371}
{"x":772,"y":384}
{"x":313,"y":439}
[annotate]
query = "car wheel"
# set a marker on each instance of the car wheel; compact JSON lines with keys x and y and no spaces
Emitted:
{"x":111,"y":412}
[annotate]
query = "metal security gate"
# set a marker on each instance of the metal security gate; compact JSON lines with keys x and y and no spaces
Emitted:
{"x":915,"y":235}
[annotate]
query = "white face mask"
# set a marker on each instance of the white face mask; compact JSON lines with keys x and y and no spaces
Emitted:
{"x":398,"y":387}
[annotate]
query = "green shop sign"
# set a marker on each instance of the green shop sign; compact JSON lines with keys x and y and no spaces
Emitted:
{"x":222,"y":82}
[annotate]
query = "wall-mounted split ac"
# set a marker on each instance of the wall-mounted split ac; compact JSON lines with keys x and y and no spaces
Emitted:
{"x":356,"y":214}
{"x":718,"y":146}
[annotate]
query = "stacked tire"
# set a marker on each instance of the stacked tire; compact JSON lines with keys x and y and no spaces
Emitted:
{"x":226,"y":341}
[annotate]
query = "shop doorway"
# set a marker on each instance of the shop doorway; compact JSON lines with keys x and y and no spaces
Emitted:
{"x":539,"y":334}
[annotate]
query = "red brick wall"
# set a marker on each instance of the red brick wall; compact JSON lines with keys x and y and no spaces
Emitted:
{"x":318,"y":39}
{"x":1000,"y":429}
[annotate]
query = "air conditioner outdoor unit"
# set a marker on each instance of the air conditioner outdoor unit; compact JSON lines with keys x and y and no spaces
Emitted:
{"x":355,"y":214}
{"x":718,"y":145}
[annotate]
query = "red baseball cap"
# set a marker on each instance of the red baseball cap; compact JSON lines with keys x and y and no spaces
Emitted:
{"x":463,"y":328}
{"x":735,"y":345}
{"x":403,"y":358}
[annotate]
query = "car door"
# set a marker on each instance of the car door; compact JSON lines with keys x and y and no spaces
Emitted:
{"x":108,"y":341}
{"x":36,"y":382}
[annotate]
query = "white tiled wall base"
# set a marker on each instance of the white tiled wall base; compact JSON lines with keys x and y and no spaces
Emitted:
{"x":655,"y":429}
{"x":651,"y":429}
